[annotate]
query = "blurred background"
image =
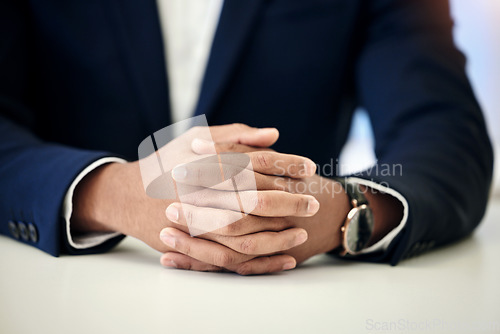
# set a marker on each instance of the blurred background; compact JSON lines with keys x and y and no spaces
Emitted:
{"x":477,"y":34}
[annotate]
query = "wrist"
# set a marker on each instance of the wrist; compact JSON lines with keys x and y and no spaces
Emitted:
{"x":98,"y":198}
{"x":336,"y":205}
{"x":112,"y":199}
{"x":339,"y":210}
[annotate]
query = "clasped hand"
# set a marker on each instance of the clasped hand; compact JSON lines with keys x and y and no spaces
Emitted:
{"x":264,"y":240}
{"x":282,"y":217}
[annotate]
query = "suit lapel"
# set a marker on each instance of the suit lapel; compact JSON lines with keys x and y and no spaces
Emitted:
{"x":140,"y":44}
{"x":138,"y":31}
{"x":235,"y":23}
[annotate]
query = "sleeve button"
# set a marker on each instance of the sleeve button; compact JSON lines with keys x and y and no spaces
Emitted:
{"x":23,"y":231}
{"x":14,"y":231}
{"x":33,"y":232}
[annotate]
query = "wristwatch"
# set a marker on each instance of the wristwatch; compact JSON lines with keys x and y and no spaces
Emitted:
{"x":358,"y":226}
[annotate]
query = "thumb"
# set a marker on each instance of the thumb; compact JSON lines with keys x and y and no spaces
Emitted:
{"x":264,"y":137}
{"x":244,"y":134}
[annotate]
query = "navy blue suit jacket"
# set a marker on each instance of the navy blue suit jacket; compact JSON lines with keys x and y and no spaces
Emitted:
{"x":80,"y":80}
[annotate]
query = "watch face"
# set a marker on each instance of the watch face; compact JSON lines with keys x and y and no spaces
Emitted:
{"x":359,"y":229}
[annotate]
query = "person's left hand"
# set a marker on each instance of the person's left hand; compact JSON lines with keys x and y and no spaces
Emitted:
{"x":243,"y":246}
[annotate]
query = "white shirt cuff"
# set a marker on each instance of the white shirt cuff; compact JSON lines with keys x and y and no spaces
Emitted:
{"x":85,"y":240}
{"x":384,"y":243}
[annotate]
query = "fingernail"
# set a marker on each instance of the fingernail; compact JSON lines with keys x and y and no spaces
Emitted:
{"x":310,"y":167}
{"x":170,"y":263}
{"x":199,"y":141}
{"x":203,"y":146}
{"x":312,"y":206}
{"x":266,"y":131}
{"x":179,"y":173}
{"x":289,"y":265}
{"x":300,"y":238}
{"x":167,"y":239}
{"x":172,"y":213}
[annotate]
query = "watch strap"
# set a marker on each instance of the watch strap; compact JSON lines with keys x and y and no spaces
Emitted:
{"x":353,"y":191}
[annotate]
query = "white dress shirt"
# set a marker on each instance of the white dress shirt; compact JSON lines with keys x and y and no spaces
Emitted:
{"x":188,"y":28}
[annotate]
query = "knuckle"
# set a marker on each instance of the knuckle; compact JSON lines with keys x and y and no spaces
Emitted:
{"x":244,"y":269}
{"x":231,"y":229}
{"x":229,"y":146}
{"x":248,"y":246}
{"x":262,"y":202}
{"x":185,"y":248}
{"x":223,"y":259}
{"x":240,"y":126}
{"x":195,"y":200}
{"x":300,"y":205}
{"x":263,"y":160}
{"x":188,"y":215}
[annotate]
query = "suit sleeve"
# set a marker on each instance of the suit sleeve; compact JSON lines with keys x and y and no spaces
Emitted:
{"x":431,"y":141}
{"x":34,"y":175}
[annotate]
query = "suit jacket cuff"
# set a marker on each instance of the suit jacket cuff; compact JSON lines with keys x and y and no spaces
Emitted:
{"x":86,"y":240}
{"x":383,"y":244}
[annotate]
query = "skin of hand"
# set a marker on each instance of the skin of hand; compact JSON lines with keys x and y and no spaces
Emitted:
{"x":244,"y":246}
{"x":112,"y":197}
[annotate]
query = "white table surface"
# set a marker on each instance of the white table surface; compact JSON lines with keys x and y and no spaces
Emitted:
{"x":455,"y":289}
